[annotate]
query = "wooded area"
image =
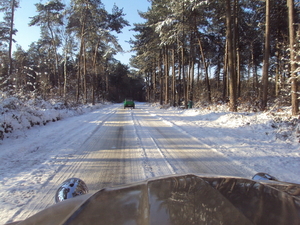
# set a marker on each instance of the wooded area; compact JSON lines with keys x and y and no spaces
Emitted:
{"x":73,"y":60}
{"x":214,"y":51}
{"x":232,"y":51}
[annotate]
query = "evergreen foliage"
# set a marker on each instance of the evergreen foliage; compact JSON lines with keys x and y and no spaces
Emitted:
{"x":213,"y":51}
{"x":73,"y":60}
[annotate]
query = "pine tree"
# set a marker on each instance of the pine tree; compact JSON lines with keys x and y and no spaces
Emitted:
{"x":7,"y":29}
{"x":48,"y":18}
{"x":293,"y":67}
{"x":265,"y":77}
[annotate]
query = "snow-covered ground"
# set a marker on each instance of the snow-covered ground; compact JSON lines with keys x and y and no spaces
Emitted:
{"x":17,"y":115}
{"x":262,"y":142}
{"x":31,"y":151}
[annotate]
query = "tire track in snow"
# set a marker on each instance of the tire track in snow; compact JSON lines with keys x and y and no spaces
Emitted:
{"x":141,"y":134}
{"x":244,"y":171}
{"x":184,"y":152}
{"x":64,"y":171}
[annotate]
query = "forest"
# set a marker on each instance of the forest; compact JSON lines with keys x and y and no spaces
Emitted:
{"x":208,"y":52}
{"x":73,"y":60}
{"x":220,"y":51}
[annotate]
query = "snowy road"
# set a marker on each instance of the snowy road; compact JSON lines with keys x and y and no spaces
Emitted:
{"x":107,"y":147}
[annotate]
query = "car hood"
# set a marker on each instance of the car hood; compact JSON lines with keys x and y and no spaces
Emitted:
{"x":181,"y":199}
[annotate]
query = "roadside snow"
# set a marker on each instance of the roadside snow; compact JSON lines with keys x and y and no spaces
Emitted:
{"x":262,"y":142}
{"x":17,"y":115}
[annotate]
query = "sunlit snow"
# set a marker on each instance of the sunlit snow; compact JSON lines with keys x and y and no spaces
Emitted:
{"x":256,"y":142}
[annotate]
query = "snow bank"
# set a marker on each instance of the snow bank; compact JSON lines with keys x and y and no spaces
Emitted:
{"x":17,"y":114}
{"x":278,"y":121}
{"x":260,"y":141}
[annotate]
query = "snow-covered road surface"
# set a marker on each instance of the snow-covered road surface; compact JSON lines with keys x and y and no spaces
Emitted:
{"x":108,"y":147}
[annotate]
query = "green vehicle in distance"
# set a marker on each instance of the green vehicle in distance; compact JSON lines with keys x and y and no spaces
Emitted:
{"x":129,"y":103}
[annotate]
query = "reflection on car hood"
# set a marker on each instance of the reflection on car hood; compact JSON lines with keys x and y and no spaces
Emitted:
{"x":181,"y":199}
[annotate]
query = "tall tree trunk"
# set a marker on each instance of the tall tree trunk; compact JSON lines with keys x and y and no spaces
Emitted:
{"x":78,"y":78}
{"x":166,"y":67}
{"x":173,"y":78}
{"x":235,"y":43}
{"x":65,"y":74}
{"x":294,"y":95}
{"x":236,"y":46}
{"x":154,"y":80}
{"x":54,"y":50}
{"x":278,"y":57}
{"x":239,"y":78}
{"x":106,"y":79}
{"x":161,"y":85}
{"x":192,"y":71}
{"x":277,"y":71}
{"x":184,"y":78}
{"x":94,"y":79}
{"x":79,"y":62}
{"x":84,"y":76}
{"x":11,"y":36}
{"x":205,"y":70}
{"x":218,"y":72}
{"x":231,"y":70}
{"x":265,"y":75}
{"x":179,"y":89}
{"x":148,"y":85}
{"x":192,"y":65}
{"x":225,"y":74}
{"x":183,"y":58}
{"x":255,"y":87}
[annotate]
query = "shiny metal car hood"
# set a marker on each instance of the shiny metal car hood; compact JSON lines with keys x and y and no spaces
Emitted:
{"x":183,"y":200}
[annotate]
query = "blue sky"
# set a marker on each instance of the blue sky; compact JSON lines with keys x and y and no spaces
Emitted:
{"x":26,"y":35}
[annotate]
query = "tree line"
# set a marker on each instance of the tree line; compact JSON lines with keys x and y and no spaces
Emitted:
{"x":74,"y":56}
{"x":220,"y":51}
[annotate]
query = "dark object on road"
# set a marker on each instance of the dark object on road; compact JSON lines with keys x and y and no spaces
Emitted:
{"x":181,"y":199}
{"x":129,"y":103}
